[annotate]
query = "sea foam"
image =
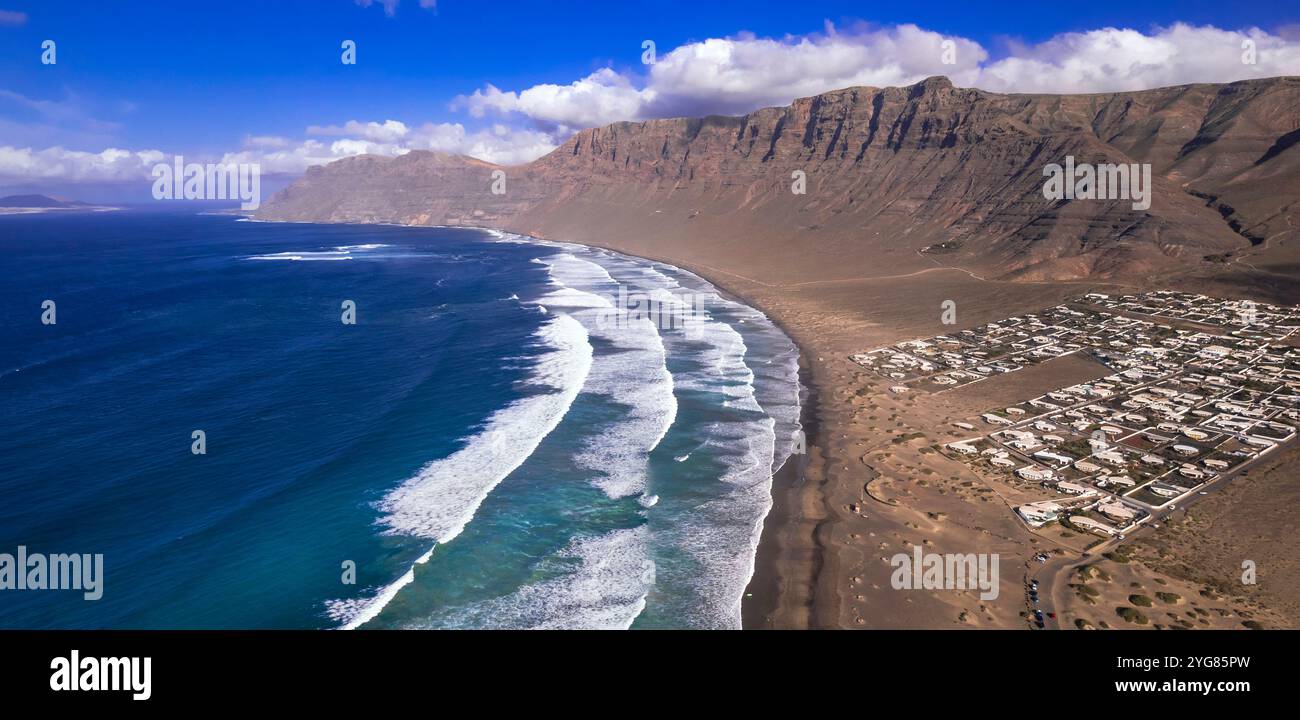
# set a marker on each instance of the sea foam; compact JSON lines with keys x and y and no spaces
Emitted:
{"x":442,"y":497}
{"x":606,"y":591}
{"x":439,"y":500}
{"x":634,"y":374}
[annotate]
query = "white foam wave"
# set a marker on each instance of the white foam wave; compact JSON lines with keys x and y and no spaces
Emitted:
{"x":715,"y":539}
{"x":720,"y":535}
{"x":607,"y":590}
{"x":302,"y":256}
{"x":352,"y":613}
{"x":440,"y":499}
{"x":634,"y":374}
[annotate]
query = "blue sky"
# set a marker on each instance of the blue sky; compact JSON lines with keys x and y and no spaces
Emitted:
{"x":209,"y":79}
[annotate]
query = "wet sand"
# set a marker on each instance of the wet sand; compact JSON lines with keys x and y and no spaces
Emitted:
{"x":780,"y":575}
{"x":870,"y":484}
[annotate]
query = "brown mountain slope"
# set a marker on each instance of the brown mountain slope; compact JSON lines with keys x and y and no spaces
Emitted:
{"x":890,"y":172}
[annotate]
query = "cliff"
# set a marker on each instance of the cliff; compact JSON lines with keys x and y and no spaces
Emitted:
{"x":897,"y":179}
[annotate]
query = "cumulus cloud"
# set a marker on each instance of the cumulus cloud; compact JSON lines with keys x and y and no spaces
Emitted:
{"x":1114,"y":59}
{"x":387,"y":131}
{"x":56,"y":163}
{"x":602,"y":97}
{"x":739,"y":74}
{"x":390,"y":6}
{"x":721,"y":76}
{"x":497,"y":144}
{"x":278,"y":155}
{"x":735,"y":75}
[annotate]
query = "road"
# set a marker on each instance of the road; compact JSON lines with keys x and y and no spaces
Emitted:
{"x":1054,"y":576}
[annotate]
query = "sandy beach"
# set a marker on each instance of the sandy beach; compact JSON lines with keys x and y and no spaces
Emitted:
{"x":870,"y":485}
{"x":839,"y":509}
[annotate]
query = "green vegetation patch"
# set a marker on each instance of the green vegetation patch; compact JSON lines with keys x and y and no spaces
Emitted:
{"x":1131,"y":615}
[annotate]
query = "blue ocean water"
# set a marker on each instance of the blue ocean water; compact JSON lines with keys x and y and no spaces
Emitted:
{"x":493,"y":443}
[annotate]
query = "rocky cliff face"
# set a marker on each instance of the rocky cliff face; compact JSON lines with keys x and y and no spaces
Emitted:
{"x":897,"y":179}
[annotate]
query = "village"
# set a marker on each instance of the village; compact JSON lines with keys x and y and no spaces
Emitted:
{"x":1200,"y":387}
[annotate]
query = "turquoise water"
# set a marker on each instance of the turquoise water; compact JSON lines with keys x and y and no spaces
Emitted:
{"x":494,"y":443}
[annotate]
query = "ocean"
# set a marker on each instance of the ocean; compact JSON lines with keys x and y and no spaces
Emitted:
{"x":495,"y":440}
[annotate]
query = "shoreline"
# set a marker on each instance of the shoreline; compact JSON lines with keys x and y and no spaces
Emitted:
{"x":52,"y":210}
{"x":788,"y":562}
{"x":763,"y":605}
{"x":765,"y":598}
{"x":781,"y":592}
{"x":775,"y":593}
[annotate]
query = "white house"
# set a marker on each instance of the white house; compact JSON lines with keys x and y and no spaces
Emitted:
{"x":1120,"y":480}
{"x":962,"y":448}
{"x":1053,"y":458}
{"x":1034,"y":474}
{"x":1039,"y":514}
{"x":1110,"y":457}
{"x":1116,"y":510}
{"x":1088,"y":523}
{"x":1071,"y":488}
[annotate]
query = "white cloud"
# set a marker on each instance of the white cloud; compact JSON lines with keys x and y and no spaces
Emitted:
{"x":720,"y":75}
{"x":387,"y":131}
{"x":736,"y":75}
{"x":56,"y":163}
{"x":284,"y":156}
{"x":739,"y":74}
{"x":498,"y":144}
{"x":266,"y":141}
{"x":1113,"y":59}
{"x":390,"y":6}
{"x":602,"y":97}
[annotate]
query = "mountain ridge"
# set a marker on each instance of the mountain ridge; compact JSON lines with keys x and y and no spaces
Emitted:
{"x":34,"y":200}
{"x":897,"y":178}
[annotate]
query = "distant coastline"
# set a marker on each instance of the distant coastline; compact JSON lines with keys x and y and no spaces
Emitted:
{"x":42,"y":210}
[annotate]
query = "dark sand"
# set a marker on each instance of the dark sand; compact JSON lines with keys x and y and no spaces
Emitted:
{"x":778,"y":576}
